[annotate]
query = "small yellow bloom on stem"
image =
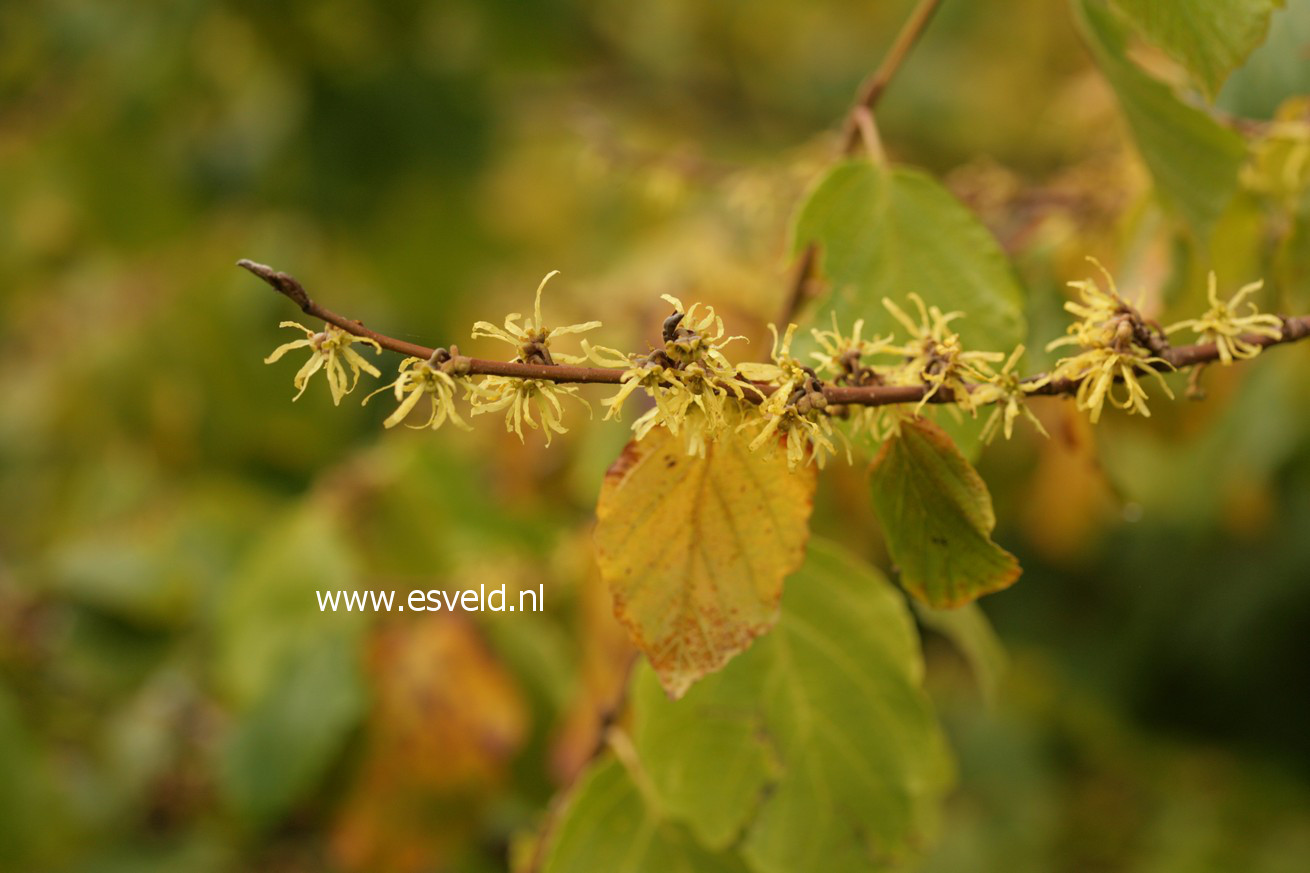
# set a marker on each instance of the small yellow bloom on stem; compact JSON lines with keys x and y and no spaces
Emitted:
{"x":518,"y":397}
{"x":696,"y":391}
{"x":799,"y":415}
{"x":784,"y":371}
{"x":1117,"y":346}
{"x":797,"y":408}
{"x":934,"y":355}
{"x":1009,"y":394}
{"x":532,"y":338}
{"x":419,"y":378}
{"x":333,"y":354}
{"x":841,"y":357}
{"x":1224,"y":326}
{"x":693,"y":337}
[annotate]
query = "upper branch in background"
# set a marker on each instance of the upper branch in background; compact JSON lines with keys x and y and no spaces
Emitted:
{"x":874,"y":87}
{"x":860,"y":127}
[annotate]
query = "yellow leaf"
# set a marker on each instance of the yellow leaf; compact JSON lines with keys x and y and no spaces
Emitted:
{"x":695,"y":549}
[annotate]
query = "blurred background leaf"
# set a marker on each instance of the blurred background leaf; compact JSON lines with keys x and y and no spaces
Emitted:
{"x":168,"y":513}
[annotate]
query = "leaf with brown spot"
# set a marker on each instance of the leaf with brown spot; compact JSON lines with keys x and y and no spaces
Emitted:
{"x":695,"y":550}
{"x":937,"y":517}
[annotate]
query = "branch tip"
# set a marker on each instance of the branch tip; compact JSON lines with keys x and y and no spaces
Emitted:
{"x":280,"y":282}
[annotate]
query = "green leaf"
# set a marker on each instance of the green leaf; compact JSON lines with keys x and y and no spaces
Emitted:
{"x":607,"y":826}
{"x":26,"y":787}
{"x":290,"y":737}
{"x":937,"y":518}
{"x":815,"y":750}
{"x":1193,"y":160}
{"x":694,"y":550}
{"x":1276,"y":71}
{"x":289,"y":670}
{"x":1211,"y":38}
{"x":887,"y":232}
{"x":969,"y":630}
{"x":269,"y":611}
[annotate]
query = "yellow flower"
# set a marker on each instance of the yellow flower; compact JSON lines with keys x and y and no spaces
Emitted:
{"x":532,"y":339}
{"x":694,"y":337}
{"x":1009,"y":395}
{"x":331,"y":347}
{"x":876,"y":422}
{"x":1097,"y":304}
{"x":841,"y":356}
{"x":696,"y":391}
{"x":646,"y":375}
{"x":934,"y":355}
{"x":1223,"y":326}
{"x":796,"y":409}
{"x":799,"y":414}
{"x":784,"y":370}
{"x":1116,"y":347}
{"x":417,"y":378}
{"x":1100,"y":369}
{"x":518,"y":396}
{"x":688,"y":401}
{"x":1279,"y":163}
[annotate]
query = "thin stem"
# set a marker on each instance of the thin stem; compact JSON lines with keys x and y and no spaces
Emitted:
{"x":861,"y":128}
{"x":874,"y":87}
{"x":867,"y":127}
{"x":290,"y":287}
{"x":801,"y":283}
{"x":608,"y":717}
{"x":1180,"y":357}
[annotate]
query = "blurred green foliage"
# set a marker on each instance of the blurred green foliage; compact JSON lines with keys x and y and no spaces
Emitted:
{"x":170,"y":696}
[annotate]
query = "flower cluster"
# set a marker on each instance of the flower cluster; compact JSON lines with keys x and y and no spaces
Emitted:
{"x":935,"y":357}
{"x":518,"y":397}
{"x":796,"y":410}
{"x":1224,"y":325}
{"x":1116,"y":346}
{"x":842,"y":360}
{"x":418,"y":378}
{"x":332,"y":354}
{"x":1007,"y":394}
{"x":532,"y":338}
{"x":697,"y":394}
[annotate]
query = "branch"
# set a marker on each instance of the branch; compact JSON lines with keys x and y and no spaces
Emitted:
{"x":290,"y":287}
{"x":858,"y":128}
{"x":872,"y":89}
{"x":609,"y":716}
{"x":802,"y":283}
{"x":1180,"y":357}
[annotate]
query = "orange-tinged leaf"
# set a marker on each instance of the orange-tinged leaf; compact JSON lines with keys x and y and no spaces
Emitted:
{"x":937,"y":517}
{"x":695,"y":549}
{"x":446,"y":724}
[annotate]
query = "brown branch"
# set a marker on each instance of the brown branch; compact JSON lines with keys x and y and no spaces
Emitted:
{"x":290,"y":287}
{"x":860,"y":127}
{"x":874,"y":87}
{"x":1180,"y":357}
{"x":802,"y":283}
{"x":609,"y":716}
